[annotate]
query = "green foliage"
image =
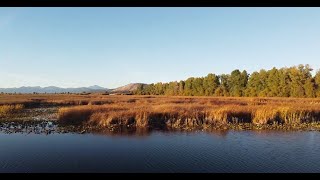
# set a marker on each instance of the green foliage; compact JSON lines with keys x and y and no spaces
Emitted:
{"x":317,"y":83}
{"x":254,"y":86}
{"x":296,"y":81}
{"x":210,"y":84}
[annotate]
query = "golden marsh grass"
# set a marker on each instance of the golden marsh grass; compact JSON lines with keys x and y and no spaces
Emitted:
{"x":171,"y":111}
{"x":176,"y":112}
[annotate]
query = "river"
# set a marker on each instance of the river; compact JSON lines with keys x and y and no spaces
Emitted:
{"x":228,"y":151}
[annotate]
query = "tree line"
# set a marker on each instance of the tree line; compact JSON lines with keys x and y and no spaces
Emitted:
{"x":295,"y":81}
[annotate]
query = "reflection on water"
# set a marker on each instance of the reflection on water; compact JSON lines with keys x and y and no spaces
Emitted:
{"x":145,"y":151}
{"x":48,"y":127}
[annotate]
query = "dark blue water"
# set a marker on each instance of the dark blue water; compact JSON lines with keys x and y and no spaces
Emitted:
{"x":232,"y":151}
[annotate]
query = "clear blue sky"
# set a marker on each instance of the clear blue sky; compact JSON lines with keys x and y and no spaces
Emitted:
{"x":110,"y":47}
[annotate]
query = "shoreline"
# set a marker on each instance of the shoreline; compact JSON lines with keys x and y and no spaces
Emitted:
{"x":53,"y":127}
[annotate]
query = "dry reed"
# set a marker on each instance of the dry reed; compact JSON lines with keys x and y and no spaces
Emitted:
{"x":172,"y":112}
{"x":7,"y":110}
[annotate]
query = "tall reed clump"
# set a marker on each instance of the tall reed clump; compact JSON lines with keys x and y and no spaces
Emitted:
{"x":219,"y":115}
{"x":75,"y":115}
{"x":294,"y":115}
{"x":7,"y":110}
{"x":285,"y":114}
{"x":231,"y":114}
{"x":80,"y":114}
{"x":122,"y":118}
{"x":265,"y":115}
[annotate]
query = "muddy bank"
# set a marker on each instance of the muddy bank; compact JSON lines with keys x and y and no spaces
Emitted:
{"x":52,"y":127}
{"x":32,"y":114}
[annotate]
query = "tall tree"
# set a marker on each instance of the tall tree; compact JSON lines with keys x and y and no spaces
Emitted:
{"x":172,"y":89}
{"x":273,"y":82}
{"x":310,"y":88}
{"x":210,"y":84}
{"x":188,"y":87}
{"x":298,"y":78}
{"x":284,"y":83}
{"x":238,"y":82}
{"x":197,"y":85}
{"x":224,"y":85}
{"x":254,"y":86}
{"x":317,"y":83}
{"x":181,"y":88}
{"x":244,"y":81}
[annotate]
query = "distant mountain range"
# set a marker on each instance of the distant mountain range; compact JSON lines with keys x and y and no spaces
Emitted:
{"x":53,"y":89}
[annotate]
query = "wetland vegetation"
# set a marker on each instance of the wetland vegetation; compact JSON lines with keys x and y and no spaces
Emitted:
{"x":112,"y":113}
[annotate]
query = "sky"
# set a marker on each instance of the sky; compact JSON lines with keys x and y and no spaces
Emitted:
{"x":111,"y":47}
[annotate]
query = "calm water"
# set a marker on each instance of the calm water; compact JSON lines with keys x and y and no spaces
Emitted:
{"x":232,"y":151}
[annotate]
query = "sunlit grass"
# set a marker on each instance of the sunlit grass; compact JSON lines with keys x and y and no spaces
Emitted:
{"x":7,"y":110}
{"x":193,"y":112}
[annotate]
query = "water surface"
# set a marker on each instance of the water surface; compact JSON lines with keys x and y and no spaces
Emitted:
{"x":230,"y":151}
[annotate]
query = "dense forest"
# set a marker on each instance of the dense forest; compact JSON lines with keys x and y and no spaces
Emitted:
{"x":296,"y":81}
